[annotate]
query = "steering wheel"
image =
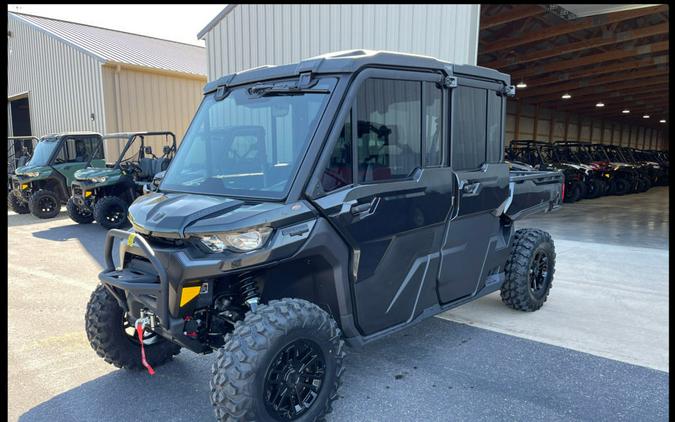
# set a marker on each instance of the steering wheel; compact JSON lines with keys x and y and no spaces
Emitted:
{"x":131,"y":167}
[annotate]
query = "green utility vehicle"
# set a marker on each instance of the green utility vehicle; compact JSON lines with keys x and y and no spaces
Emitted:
{"x":104,"y":194}
{"x":43,"y":184}
{"x":19,"y":151}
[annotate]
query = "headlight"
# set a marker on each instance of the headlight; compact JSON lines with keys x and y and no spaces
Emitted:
{"x":239,"y":241}
{"x":31,"y":174}
{"x":100,"y":179}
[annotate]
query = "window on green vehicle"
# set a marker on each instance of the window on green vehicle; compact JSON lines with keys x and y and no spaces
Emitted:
{"x":433,"y":123}
{"x":389,"y":136}
{"x":339,"y":172}
{"x":80,"y":150}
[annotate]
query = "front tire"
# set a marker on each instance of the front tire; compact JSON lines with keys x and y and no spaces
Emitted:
{"x":114,"y":339}
{"x":16,"y":204}
{"x":595,"y":189}
{"x":282,"y":362}
{"x":111,"y":212}
{"x":620,"y":186}
{"x":529,"y":270}
{"x":574,"y":193}
{"x":77,"y":214}
{"x":44,"y":204}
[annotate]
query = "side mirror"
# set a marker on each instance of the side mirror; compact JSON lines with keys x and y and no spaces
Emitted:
{"x":148,"y":150}
{"x":154,"y":185}
{"x":166,"y":150}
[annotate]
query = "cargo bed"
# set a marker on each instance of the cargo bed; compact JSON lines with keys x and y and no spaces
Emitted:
{"x":532,"y":192}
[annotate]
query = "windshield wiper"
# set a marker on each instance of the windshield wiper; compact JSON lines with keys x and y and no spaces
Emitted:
{"x":287,"y":90}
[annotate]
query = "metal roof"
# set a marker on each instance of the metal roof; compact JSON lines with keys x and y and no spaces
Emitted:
{"x":115,"y":46}
{"x":350,"y":61}
{"x":215,"y":20}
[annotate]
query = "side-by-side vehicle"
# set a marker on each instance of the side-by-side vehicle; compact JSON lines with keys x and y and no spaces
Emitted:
{"x":341,"y":198}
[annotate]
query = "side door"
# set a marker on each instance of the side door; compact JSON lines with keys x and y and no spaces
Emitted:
{"x":474,"y":244}
{"x":384,"y":188}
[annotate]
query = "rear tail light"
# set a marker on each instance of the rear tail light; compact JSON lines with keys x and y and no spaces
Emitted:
{"x":562,"y":194}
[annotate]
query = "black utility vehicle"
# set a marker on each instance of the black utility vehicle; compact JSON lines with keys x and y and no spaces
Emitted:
{"x":625,"y":177}
{"x":319,"y":202}
{"x":19,"y":151}
{"x":539,"y":155}
{"x":104,"y":194}
{"x":646,"y":171}
{"x":42,"y":185}
{"x":575,"y":153}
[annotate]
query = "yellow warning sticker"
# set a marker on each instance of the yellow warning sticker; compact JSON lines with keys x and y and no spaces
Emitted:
{"x":188,"y":294}
{"x":130,"y":239}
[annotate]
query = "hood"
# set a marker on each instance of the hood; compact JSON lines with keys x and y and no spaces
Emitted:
{"x":182,"y":214}
{"x":31,"y":169}
{"x":89,"y":172}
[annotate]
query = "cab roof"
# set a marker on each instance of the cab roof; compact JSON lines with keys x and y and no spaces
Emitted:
{"x":61,"y":134}
{"x":351,"y":61}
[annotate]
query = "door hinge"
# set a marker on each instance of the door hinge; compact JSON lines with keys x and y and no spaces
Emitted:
{"x":509,"y":90}
{"x":450,"y":82}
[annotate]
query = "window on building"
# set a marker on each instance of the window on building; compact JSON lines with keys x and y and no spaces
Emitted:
{"x":338,"y":172}
{"x":469,"y":128}
{"x":389,"y":137}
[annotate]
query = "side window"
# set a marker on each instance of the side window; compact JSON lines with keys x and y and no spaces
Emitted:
{"x":389,"y":129}
{"x":433,"y":122}
{"x":93,"y":144}
{"x":469,"y":128}
{"x":338,"y":172}
{"x":494,"y":127}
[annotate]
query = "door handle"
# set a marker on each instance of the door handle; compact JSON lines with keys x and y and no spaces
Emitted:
{"x":470,"y":188}
{"x":358,"y":209}
{"x":363,"y":208}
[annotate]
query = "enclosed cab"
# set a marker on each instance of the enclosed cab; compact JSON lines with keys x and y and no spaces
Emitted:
{"x":42,"y":185}
{"x":342,"y":198}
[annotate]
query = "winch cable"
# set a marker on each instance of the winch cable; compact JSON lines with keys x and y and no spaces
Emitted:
{"x":140,"y":330}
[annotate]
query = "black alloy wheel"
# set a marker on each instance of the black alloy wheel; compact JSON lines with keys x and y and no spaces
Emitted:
{"x":294,"y":379}
{"x":538,"y":274}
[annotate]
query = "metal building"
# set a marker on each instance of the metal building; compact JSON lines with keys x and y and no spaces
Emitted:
{"x":65,"y":76}
{"x":251,"y":35}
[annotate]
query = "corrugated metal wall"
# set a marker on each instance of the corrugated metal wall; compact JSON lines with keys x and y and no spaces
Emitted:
{"x":138,"y":100}
{"x":63,"y":83}
{"x":582,"y":128}
{"x":252,"y":35}
{"x":9,"y":120}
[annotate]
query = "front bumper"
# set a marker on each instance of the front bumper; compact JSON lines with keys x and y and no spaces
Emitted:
{"x":153,"y":278}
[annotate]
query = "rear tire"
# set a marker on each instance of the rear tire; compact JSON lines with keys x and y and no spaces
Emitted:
{"x":620,"y":186}
{"x":595,"y":189}
{"x":256,"y":377}
{"x":77,"y":214}
{"x":529,"y":270}
{"x":44,"y":204}
{"x":16,"y":204}
{"x":573,"y":194}
{"x":105,"y":326}
{"x":111,"y":212}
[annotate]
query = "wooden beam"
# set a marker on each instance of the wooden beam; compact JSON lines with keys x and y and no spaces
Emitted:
{"x":601,"y":90}
{"x":648,"y":90}
{"x":591,"y":59}
{"x":612,"y":102}
{"x":593,"y":82}
{"x":571,"y":26}
{"x":517,"y":13}
{"x":594,"y":42}
{"x":599,"y":70}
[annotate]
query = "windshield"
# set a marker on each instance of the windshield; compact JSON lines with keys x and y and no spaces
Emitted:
{"x":582,"y":153}
{"x":614,"y":155}
{"x":247,"y":144}
{"x":43,"y":151}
